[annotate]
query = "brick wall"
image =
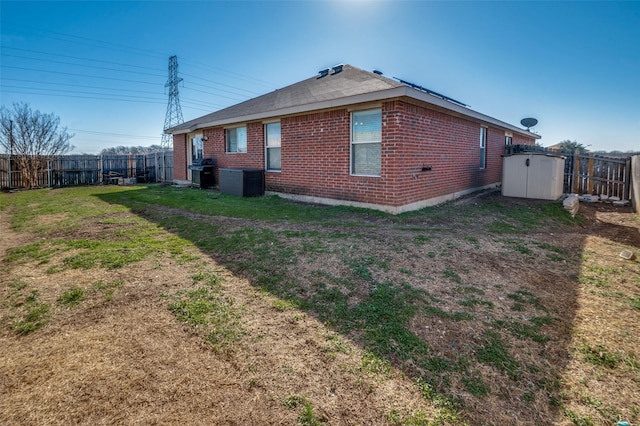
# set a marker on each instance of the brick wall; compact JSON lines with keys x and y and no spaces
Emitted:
{"x":216,"y":147}
{"x":180,"y":157}
{"x":448,"y":145}
{"x":521,"y":140}
{"x":315,"y":155}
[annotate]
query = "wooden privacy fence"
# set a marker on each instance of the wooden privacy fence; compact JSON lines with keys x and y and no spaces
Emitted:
{"x":598,"y":175}
{"x":594,"y":174}
{"x":74,"y":170}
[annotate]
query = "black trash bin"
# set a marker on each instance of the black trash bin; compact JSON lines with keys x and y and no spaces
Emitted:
{"x":203,"y":173}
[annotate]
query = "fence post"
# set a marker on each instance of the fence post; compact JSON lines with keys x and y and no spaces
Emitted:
{"x":576,"y":172}
{"x":628,"y":181}
{"x":9,"y":172}
{"x":590,"y":175}
{"x":10,"y":149}
{"x":634,"y":181}
{"x":164,"y":165}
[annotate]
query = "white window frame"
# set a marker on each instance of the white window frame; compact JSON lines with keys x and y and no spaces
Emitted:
{"x":508,"y":138}
{"x":483,"y":148}
{"x":268,"y":147}
{"x":226,"y":140}
{"x":369,"y":142}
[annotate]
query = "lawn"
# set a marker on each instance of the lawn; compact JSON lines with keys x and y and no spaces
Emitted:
{"x":158,"y":304}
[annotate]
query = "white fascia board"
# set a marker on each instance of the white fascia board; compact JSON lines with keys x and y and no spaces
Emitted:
{"x":467,"y":112}
{"x":182,"y":131}
{"x":396,"y":92}
{"x":316,"y":106}
{"x":299,"y":109}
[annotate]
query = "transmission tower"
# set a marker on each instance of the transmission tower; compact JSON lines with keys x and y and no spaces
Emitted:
{"x":174,"y":112}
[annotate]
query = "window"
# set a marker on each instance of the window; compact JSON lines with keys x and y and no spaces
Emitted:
{"x":483,"y":147}
{"x":272,"y":146}
{"x":366,"y":142}
{"x":236,"y":139}
{"x":507,"y":140}
{"x":196,"y":148}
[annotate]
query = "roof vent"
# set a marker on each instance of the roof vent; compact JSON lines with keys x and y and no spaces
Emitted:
{"x":324,"y":72}
{"x":337,"y":69}
{"x":377,"y":72}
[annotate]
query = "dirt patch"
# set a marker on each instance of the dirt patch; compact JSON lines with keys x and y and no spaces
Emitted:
{"x":51,"y":219}
{"x":120,"y":355}
{"x":126,"y":359}
{"x":9,"y":238}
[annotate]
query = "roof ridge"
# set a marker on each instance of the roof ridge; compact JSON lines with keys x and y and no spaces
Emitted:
{"x":347,"y":85}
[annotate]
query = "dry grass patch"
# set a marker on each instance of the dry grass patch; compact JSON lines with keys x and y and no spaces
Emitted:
{"x":605,"y":360}
{"x":128,"y":360}
{"x":112,"y":350}
{"x":487,"y":312}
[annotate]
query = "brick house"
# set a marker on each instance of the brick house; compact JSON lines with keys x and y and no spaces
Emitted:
{"x":353,"y":137}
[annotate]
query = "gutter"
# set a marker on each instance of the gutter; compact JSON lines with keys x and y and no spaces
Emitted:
{"x":382,"y":95}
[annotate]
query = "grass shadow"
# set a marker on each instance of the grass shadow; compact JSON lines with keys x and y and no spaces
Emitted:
{"x":477,"y":302}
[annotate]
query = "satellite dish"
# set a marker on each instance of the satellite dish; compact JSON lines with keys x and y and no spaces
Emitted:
{"x":528,"y":122}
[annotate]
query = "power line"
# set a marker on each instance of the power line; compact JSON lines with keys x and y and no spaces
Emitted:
{"x":106,"y":44}
{"x":85,"y":93}
{"x":78,"y":75}
{"x":214,"y":94}
{"x":80,"y":85}
{"x":187,"y":103}
{"x":82,"y":65}
{"x":81,"y":97}
{"x":172,"y":83}
{"x":220,"y":84}
{"x":80,"y":58}
{"x":244,"y":96}
{"x":232,"y":74}
{"x":201,"y":103}
{"x":114,"y":134}
{"x":119,"y":47}
{"x":97,"y":98}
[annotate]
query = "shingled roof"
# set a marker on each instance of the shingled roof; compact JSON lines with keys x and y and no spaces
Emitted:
{"x":339,"y":86}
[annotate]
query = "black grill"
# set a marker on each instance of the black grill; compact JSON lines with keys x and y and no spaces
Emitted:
{"x":203,"y":172}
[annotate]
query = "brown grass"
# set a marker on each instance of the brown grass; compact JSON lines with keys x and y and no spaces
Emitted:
{"x":127,"y":360}
{"x":123,"y":358}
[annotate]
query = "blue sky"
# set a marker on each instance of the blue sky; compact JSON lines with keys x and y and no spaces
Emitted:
{"x":101,"y":66}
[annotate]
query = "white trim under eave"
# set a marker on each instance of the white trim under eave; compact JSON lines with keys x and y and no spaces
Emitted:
{"x":379,"y":96}
{"x":467,"y":112}
{"x":299,"y":109}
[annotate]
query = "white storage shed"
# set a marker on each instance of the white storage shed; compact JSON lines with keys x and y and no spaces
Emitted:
{"x":533,"y":175}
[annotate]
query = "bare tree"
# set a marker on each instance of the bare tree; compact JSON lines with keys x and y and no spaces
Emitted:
{"x":32,"y":138}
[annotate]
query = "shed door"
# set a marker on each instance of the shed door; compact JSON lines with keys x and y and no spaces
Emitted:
{"x":544,"y":179}
{"x":514,"y":176}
